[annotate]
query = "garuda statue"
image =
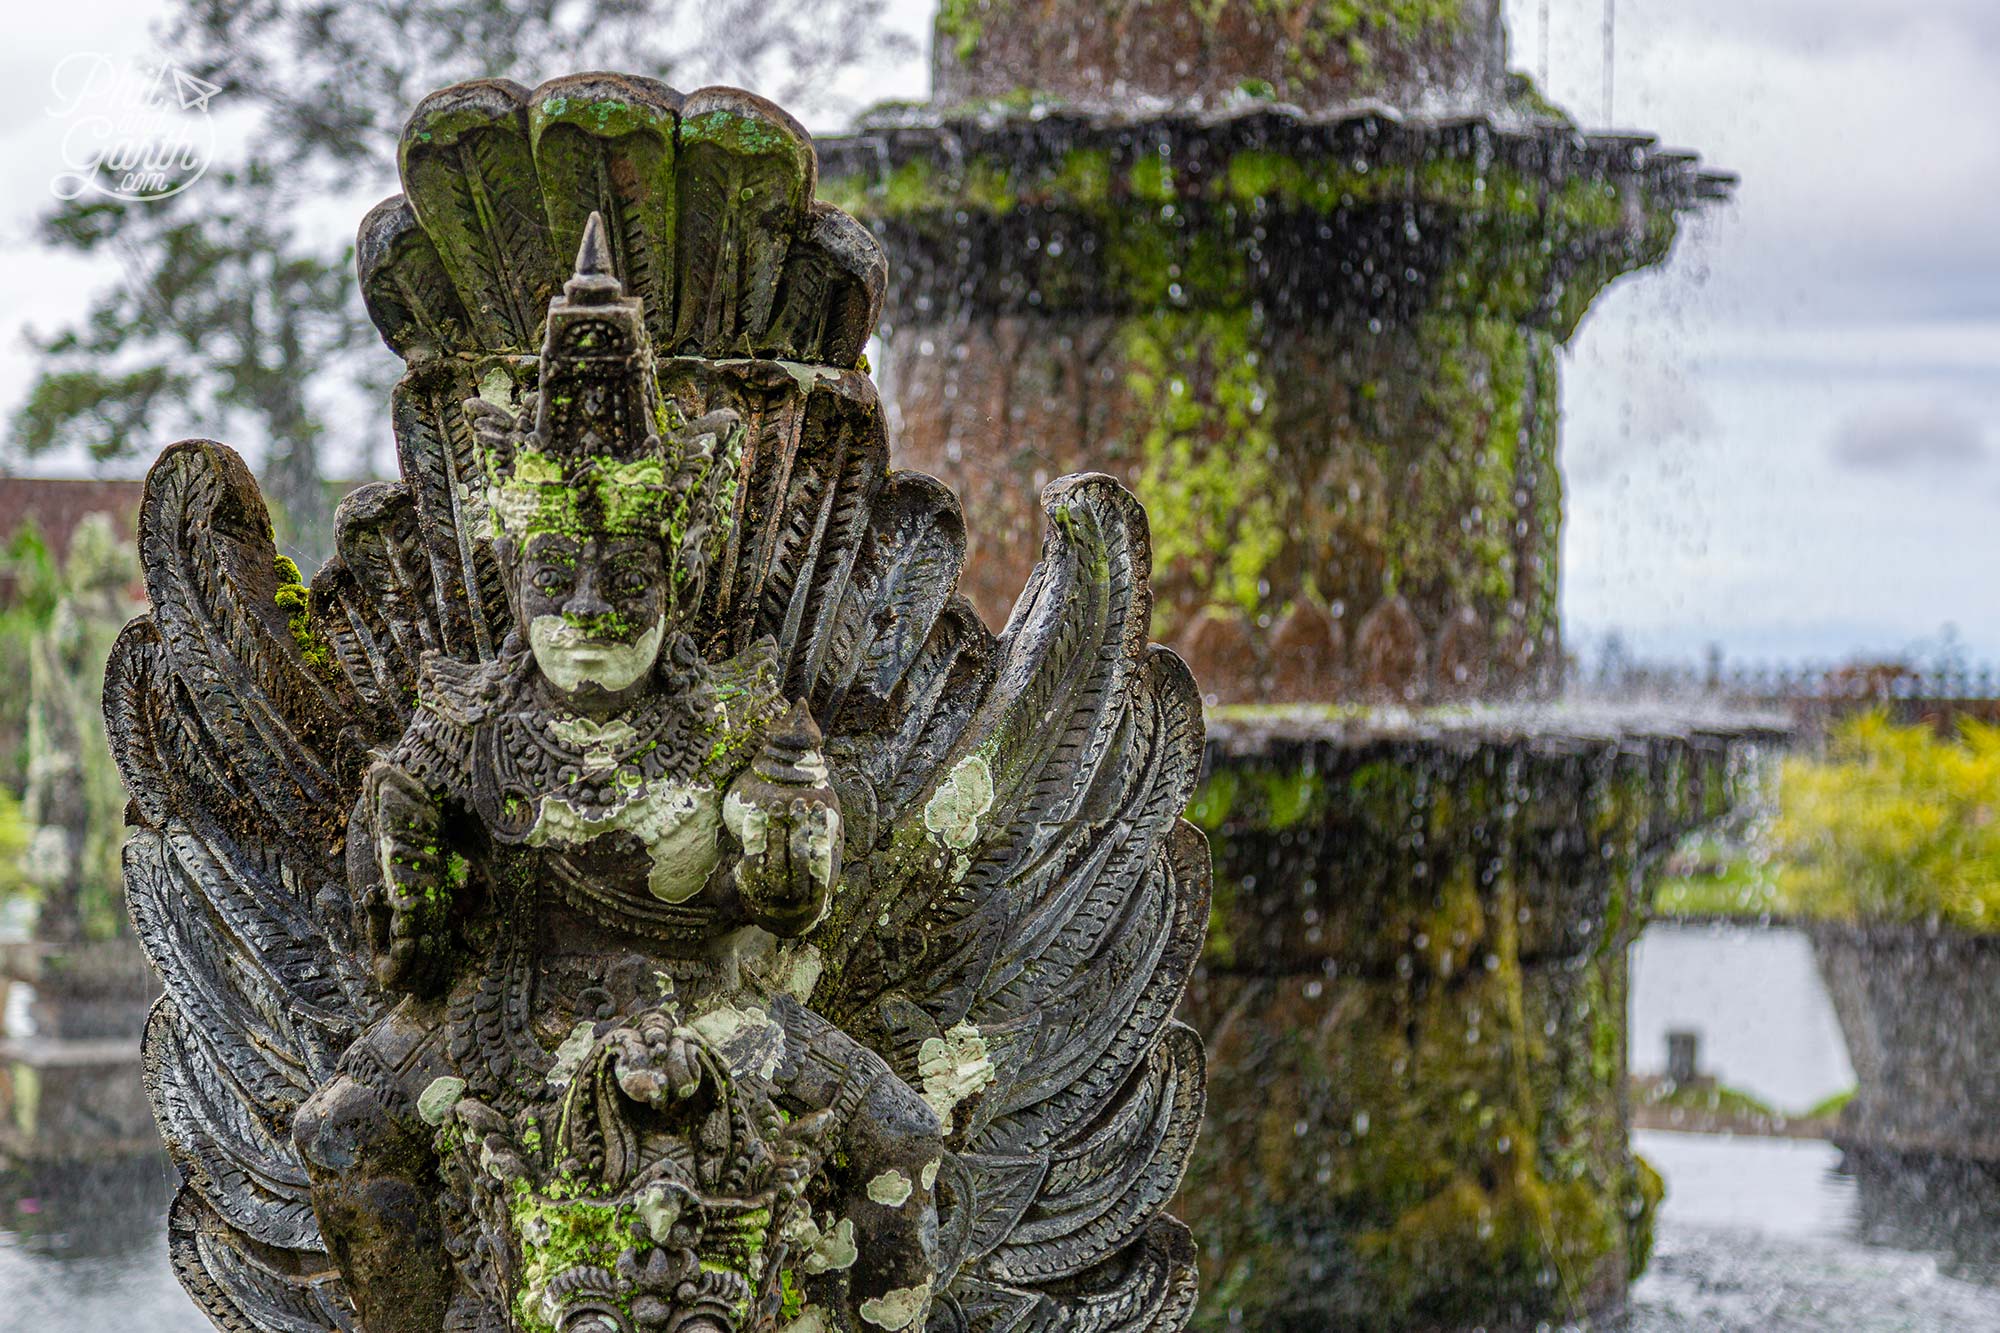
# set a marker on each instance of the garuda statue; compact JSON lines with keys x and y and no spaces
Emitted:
{"x":628,"y":890}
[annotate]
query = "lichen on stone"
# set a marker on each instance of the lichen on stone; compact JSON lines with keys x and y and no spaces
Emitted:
{"x":954,"y":809}
{"x":953,"y":1068}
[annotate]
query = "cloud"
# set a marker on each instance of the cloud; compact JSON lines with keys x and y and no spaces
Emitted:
{"x":1904,"y":439}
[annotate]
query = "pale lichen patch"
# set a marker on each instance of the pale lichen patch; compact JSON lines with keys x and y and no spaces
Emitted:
{"x":570,"y":1055}
{"x":953,"y":1067}
{"x":891,"y":1189}
{"x":659,"y":1208}
{"x":953,"y":811}
{"x":822,"y":838}
{"x":748,"y":1038}
{"x":834,"y":1250}
{"x":434,"y":1103}
{"x":571,"y":658}
{"x":900,"y":1308}
{"x":929,"y":1174}
{"x":679,"y":826}
{"x":747,"y":822}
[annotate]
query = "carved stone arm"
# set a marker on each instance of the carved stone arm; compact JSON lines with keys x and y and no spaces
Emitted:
{"x":784,"y":812}
{"x":408,"y":910}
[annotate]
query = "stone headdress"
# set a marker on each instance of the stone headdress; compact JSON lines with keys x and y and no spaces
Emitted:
{"x":595,"y":449}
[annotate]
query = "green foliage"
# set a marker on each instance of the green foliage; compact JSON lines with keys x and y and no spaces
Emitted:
{"x":1894,"y":824}
{"x":29,"y":565}
{"x":1742,"y":886}
{"x":1711,"y":1098}
{"x":59,"y":843}
{"x":959,"y":23}
{"x":237,"y":311}
{"x":14,"y":838}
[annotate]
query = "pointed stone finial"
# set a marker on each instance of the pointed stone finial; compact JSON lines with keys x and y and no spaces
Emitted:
{"x":594,"y":282}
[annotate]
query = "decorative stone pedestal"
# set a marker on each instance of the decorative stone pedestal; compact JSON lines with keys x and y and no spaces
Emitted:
{"x":1414,"y":997}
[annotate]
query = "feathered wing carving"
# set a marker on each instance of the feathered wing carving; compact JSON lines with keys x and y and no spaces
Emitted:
{"x":1021,"y":903}
{"x":1038,"y":906}
{"x":231,"y":743}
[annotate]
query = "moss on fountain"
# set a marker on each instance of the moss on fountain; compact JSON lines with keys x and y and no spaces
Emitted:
{"x":1303,"y":432}
{"x":1415,"y":993}
{"x":1313,"y":52}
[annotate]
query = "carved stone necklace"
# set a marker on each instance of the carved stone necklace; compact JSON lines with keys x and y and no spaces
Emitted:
{"x":595,"y":768}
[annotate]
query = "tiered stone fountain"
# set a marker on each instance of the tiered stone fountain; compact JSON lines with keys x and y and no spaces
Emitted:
{"x":1299,"y":273}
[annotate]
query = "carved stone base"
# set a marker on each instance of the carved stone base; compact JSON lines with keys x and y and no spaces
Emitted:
{"x":1414,"y":1001}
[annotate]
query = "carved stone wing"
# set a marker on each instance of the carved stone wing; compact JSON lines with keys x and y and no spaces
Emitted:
{"x":1026,"y":927}
{"x":230,"y":724}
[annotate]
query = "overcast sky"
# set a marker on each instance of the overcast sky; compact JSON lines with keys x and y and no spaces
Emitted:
{"x":1785,"y":441}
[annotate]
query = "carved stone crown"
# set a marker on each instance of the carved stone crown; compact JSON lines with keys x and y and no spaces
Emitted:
{"x":597,"y":451}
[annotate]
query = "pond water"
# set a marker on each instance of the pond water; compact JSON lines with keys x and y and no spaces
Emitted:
{"x":1755,"y":1234}
{"x":1753,"y":997}
{"x":1767,"y":1235}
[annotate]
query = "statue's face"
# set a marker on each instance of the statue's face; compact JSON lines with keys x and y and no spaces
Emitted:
{"x":594,"y":610}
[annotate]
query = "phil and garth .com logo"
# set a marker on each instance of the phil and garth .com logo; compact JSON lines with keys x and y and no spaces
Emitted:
{"x":132,"y":130}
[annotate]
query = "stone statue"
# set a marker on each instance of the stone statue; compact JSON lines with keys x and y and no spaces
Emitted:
{"x":629,"y":890}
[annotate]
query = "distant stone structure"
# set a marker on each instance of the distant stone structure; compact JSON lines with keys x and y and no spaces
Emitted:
{"x":52,"y":507}
{"x":1299,"y":276}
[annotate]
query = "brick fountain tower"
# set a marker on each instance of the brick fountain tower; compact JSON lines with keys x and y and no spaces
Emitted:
{"x":1299,"y":274}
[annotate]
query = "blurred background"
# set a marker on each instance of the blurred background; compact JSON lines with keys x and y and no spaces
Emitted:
{"x":1761,"y":551}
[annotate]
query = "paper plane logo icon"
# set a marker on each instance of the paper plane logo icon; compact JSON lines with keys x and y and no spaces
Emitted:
{"x":194,"y":93}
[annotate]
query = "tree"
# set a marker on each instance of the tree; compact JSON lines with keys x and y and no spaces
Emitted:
{"x":235,"y":313}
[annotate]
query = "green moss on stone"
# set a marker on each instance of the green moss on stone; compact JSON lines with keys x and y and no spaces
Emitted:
{"x":559,"y":1234}
{"x":1442,"y":1107}
{"x":294,"y":599}
{"x":1206,"y":466}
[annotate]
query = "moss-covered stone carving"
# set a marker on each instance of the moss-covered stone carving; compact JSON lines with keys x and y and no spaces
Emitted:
{"x":627,"y":890}
{"x":1319,"y":343}
{"x":1414,"y":991}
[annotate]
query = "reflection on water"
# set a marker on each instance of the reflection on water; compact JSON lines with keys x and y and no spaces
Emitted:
{"x":1769,"y":1235}
{"x":84,"y":1250}
{"x":1756,"y":1234}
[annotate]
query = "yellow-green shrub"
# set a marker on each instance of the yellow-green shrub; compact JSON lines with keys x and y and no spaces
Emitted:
{"x":1893,"y":824}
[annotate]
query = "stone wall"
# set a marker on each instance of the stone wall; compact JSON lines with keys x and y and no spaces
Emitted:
{"x":1437,"y":55}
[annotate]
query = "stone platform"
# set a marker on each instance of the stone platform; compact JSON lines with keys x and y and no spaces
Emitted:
{"x":1414,"y":1003}
{"x":1920,"y":1010}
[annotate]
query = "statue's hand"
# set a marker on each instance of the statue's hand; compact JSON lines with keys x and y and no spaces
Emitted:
{"x":787,"y":817}
{"x":657,"y":1062}
{"x":785,"y":882}
{"x":408,"y":914}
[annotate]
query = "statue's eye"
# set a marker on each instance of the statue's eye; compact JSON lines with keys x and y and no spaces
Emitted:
{"x":550,"y":580}
{"x":629,"y":583}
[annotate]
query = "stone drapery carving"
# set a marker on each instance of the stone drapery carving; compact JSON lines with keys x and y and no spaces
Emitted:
{"x":627,"y":888}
